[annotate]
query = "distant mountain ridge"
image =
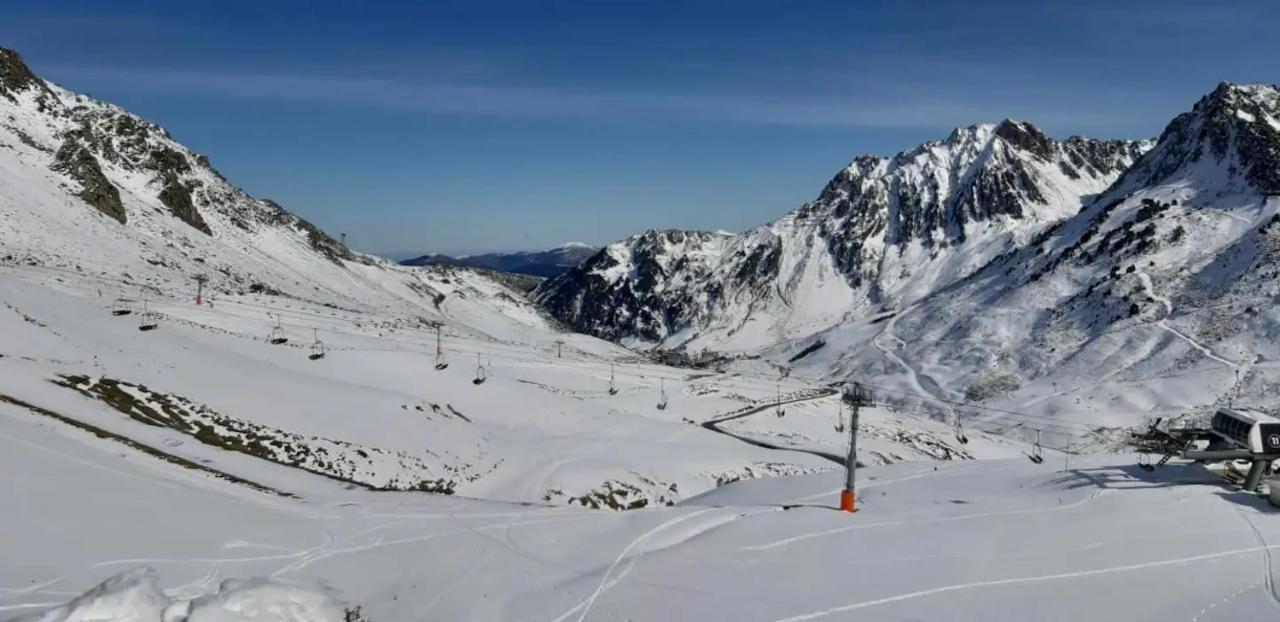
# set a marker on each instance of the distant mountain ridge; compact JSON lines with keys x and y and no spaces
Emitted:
{"x":1123,"y":278}
{"x":883,"y":230}
{"x":545,"y":264}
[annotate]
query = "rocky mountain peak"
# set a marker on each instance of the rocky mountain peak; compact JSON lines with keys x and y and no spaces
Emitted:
{"x":1027,"y":137}
{"x":16,"y":76}
{"x":1229,"y":141}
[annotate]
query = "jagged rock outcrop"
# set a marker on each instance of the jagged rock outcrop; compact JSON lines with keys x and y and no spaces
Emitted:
{"x":177,"y":198}
{"x":16,"y":77}
{"x":76,"y":162}
{"x":134,"y":172}
{"x":1234,"y":129}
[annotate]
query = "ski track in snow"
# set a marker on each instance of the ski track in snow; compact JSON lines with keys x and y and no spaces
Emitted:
{"x":638,"y":545}
{"x":1230,"y":597}
{"x":1268,"y":568}
{"x":1022,"y":580}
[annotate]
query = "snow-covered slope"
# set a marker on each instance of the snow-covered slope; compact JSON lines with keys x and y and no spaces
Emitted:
{"x":1157,"y":299}
{"x":884,"y":232}
{"x":978,"y":541}
{"x":966,"y":271}
{"x":200,"y":449}
{"x":385,"y":407}
{"x":88,"y":186}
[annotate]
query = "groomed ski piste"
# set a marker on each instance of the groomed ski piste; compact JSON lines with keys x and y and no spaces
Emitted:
{"x":110,"y":486}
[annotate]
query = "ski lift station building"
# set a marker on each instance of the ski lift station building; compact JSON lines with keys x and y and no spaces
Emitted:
{"x":1256,"y":432}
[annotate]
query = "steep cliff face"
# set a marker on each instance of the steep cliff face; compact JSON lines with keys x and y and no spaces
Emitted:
{"x":884,"y":231}
{"x":79,"y":164}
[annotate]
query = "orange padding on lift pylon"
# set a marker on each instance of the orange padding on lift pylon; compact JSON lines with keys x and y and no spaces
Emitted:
{"x":847,"y":501}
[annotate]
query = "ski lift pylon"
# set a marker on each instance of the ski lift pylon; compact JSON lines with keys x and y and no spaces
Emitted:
{"x":441,"y":364}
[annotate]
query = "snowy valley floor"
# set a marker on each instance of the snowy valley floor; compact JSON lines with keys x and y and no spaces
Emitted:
{"x":203,"y":452}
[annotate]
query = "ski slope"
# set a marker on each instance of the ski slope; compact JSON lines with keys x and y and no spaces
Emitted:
{"x":982,"y":540}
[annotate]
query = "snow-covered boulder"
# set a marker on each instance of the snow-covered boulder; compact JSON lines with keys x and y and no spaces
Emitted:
{"x":134,"y":596}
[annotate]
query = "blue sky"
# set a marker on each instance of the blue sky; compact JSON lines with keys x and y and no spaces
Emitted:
{"x":478,"y":125}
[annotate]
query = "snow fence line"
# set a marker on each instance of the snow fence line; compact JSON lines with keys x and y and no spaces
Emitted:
{"x":134,"y":596}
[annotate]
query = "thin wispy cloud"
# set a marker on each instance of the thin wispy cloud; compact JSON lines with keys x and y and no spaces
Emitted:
{"x":537,"y":102}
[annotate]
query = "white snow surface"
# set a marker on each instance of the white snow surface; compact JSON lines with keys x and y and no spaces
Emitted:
{"x":133,"y":596}
{"x":982,"y":540}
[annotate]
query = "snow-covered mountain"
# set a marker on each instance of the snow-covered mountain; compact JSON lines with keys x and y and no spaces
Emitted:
{"x":1113,"y":279}
{"x":1159,"y":297}
{"x":884,"y":232}
{"x":545,"y":264}
{"x":213,"y":454}
{"x":90,"y":186}
{"x":304,"y":354}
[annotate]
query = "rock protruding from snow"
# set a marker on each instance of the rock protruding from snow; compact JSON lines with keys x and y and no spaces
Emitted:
{"x":16,"y":76}
{"x":79,"y":164}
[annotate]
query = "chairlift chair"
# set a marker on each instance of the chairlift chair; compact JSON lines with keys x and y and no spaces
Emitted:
{"x":613,"y":384}
{"x":778,"y":409}
{"x":120,"y":306}
{"x":840,"y":417}
{"x":440,"y":362}
{"x":662,"y":394}
{"x":147,"y":320}
{"x":277,"y":336}
{"x":1036,"y":455}
{"x":481,"y":374}
{"x":317,"y":346}
{"x":960,"y":436}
